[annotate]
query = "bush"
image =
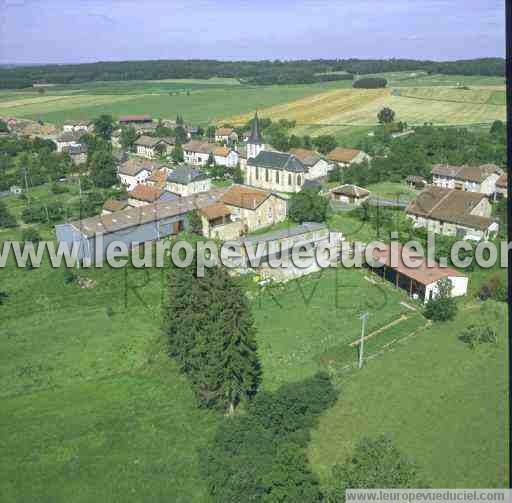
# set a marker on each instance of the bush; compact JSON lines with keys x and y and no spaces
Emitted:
{"x":308,"y":206}
{"x":370,"y":83}
{"x":443,"y":307}
{"x":475,"y":335}
{"x":494,"y":289}
{"x":69,"y":276}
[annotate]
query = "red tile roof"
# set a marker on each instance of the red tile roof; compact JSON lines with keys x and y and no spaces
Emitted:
{"x":146,"y":193}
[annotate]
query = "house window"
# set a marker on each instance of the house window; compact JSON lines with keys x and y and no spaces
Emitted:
{"x":289,"y":178}
{"x":270,"y":214}
{"x":266,"y":175}
{"x":299,"y":180}
{"x":277,"y":176}
{"x":257,"y":170}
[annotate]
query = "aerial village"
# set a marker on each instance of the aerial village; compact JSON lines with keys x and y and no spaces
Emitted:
{"x":162,"y":192}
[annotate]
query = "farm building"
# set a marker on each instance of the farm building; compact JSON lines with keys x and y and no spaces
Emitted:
{"x":187,"y":180}
{"x":135,"y":119}
{"x":350,"y":194}
{"x":143,"y":194}
{"x":283,"y":241}
{"x":480,"y":179}
{"x":135,"y":171}
{"x":421,"y":282}
{"x":344,"y":157}
{"x":276,"y":171}
{"x":452,"y":212}
{"x":317,"y":166}
{"x":150,"y":147}
{"x":132,"y":226}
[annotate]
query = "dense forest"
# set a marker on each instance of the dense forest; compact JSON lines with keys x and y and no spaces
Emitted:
{"x":253,"y":72}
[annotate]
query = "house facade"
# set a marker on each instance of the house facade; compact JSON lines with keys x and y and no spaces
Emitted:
{"x":198,"y":153}
{"x":254,"y":208}
{"x":135,"y":171}
{"x":501,"y":186}
{"x":317,"y":166}
{"x":275,"y":171}
{"x":481,"y":179}
{"x":452,"y":212}
{"x":187,"y":180}
{"x":150,"y":147}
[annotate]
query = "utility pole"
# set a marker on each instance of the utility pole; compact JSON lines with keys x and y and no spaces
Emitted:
{"x":363,"y":318}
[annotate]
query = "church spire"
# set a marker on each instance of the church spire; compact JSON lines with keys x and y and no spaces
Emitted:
{"x":255,"y":136}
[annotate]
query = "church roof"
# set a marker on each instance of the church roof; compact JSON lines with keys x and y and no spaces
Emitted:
{"x":255,"y":136}
{"x":277,"y":160}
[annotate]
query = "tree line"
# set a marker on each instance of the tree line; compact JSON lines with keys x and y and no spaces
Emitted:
{"x":251,"y":72}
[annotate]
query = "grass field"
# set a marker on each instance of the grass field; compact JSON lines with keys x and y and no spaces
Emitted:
{"x":442,"y":403}
{"x":93,"y":409}
{"x":199,"y":103}
{"x":323,"y":108}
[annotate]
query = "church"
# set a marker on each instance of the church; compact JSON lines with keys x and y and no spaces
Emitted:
{"x":267,"y":169}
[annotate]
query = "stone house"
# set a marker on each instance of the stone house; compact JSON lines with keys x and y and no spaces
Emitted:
{"x":198,"y":153}
{"x":78,"y":153}
{"x":68,"y":139}
{"x":254,"y":208}
{"x":71,"y":126}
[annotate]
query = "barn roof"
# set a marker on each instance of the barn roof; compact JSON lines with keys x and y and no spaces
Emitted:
{"x":422,"y":274}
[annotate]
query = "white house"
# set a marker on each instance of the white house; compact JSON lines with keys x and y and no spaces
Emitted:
{"x":224,"y":156}
{"x":187,"y":180}
{"x":135,"y":171}
{"x":197,"y":153}
{"x":350,"y":194}
{"x":480,"y":179}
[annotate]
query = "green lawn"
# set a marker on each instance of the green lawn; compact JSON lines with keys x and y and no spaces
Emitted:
{"x":391,"y":190}
{"x":442,"y":403}
{"x":94,"y":410}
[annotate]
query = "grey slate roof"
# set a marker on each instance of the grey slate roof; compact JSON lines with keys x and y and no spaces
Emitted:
{"x":185,"y":175}
{"x":278,"y":160}
{"x":133,"y":217}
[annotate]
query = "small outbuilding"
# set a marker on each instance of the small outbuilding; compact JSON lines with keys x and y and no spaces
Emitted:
{"x":350,"y":194}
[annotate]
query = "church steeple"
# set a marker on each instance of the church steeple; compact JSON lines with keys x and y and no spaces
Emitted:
{"x":255,"y":136}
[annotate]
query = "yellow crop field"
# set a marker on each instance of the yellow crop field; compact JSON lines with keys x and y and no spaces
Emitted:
{"x":327,"y":112}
